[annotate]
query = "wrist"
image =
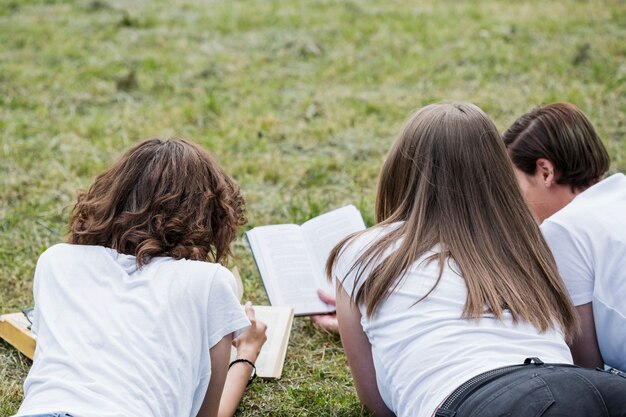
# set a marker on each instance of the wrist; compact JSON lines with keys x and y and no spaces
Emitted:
{"x":247,"y":353}
{"x":245,"y":362}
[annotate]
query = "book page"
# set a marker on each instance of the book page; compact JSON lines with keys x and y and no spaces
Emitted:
{"x":270,"y":362}
{"x":271,"y":359}
{"x":289,"y":274}
{"x":322,"y":234}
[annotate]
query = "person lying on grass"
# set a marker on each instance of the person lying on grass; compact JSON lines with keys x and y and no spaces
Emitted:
{"x":134,"y":316}
{"x":452,"y":305}
{"x":561,"y":163}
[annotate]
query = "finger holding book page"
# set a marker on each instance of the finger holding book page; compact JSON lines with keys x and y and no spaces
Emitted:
{"x":327,"y":322}
{"x":241,"y":371}
{"x":250,"y":342}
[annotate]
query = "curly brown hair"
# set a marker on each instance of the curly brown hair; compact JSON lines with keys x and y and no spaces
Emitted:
{"x":161,"y":198}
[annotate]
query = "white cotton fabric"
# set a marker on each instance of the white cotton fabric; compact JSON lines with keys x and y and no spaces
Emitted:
{"x":588,"y":240}
{"x":114,"y":340}
{"x":422,"y":352}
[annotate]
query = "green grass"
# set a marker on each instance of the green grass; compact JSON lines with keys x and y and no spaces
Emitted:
{"x":299,"y":100}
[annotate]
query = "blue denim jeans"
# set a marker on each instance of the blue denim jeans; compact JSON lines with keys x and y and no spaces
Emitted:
{"x":548,"y":391}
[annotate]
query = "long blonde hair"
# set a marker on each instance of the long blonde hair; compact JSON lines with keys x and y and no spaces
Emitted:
{"x":449,"y":182}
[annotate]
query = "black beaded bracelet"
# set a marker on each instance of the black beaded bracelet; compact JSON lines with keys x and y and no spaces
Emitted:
{"x":248,"y":362}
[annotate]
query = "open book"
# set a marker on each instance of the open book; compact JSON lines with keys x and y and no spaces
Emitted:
{"x":15,"y":330}
{"x":269,"y":363}
{"x":291,"y":258}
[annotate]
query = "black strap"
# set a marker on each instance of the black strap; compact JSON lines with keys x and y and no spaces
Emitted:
{"x":533,"y":361}
{"x":248,"y":362}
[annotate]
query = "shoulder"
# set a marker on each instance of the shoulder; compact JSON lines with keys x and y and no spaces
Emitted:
{"x":568,"y":237}
{"x":348,"y":267}
{"x":358,"y":245}
{"x":599,"y":209}
{"x":65,"y":252}
{"x":224,"y":280}
{"x":202,"y":274}
{"x":62,"y":249}
{"x":205,"y":270}
{"x":591,"y":203}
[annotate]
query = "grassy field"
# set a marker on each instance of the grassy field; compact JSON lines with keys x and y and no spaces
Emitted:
{"x":299,"y":100}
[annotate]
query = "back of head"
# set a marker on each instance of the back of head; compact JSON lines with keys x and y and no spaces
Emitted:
{"x":161,"y":198}
{"x":449,"y":181}
{"x":562,"y":134}
{"x":449,"y":159}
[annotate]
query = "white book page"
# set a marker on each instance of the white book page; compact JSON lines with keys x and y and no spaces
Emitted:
{"x":322,"y":234}
{"x":271,"y":359}
{"x":289,"y":274}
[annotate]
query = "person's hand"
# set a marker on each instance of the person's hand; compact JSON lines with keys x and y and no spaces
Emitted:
{"x":250,"y":342}
{"x":327,"y":322}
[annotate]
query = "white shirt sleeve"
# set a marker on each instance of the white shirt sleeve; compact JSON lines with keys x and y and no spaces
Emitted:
{"x":573,"y":261}
{"x":342,"y":269}
{"x":345,"y":270}
{"x":226,"y":315}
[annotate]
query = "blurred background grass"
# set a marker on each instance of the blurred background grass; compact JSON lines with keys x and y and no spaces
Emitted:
{"x":299,"y":101}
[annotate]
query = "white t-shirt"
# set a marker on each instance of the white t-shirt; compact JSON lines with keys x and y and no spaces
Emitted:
{"x":588,"y":240}
{"x":422,"y":352}
{"x":114,"y":340}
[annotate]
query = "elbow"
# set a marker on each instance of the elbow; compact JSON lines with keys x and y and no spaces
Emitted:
{"x":375,"y":406}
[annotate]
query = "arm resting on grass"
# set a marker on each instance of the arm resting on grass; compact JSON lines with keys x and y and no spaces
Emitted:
{"x":359,"y":353}
{"x":585,"y":349}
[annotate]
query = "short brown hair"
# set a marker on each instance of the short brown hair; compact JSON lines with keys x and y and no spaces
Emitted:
{"x":562,"y":134}
{"x":161,"y":198}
